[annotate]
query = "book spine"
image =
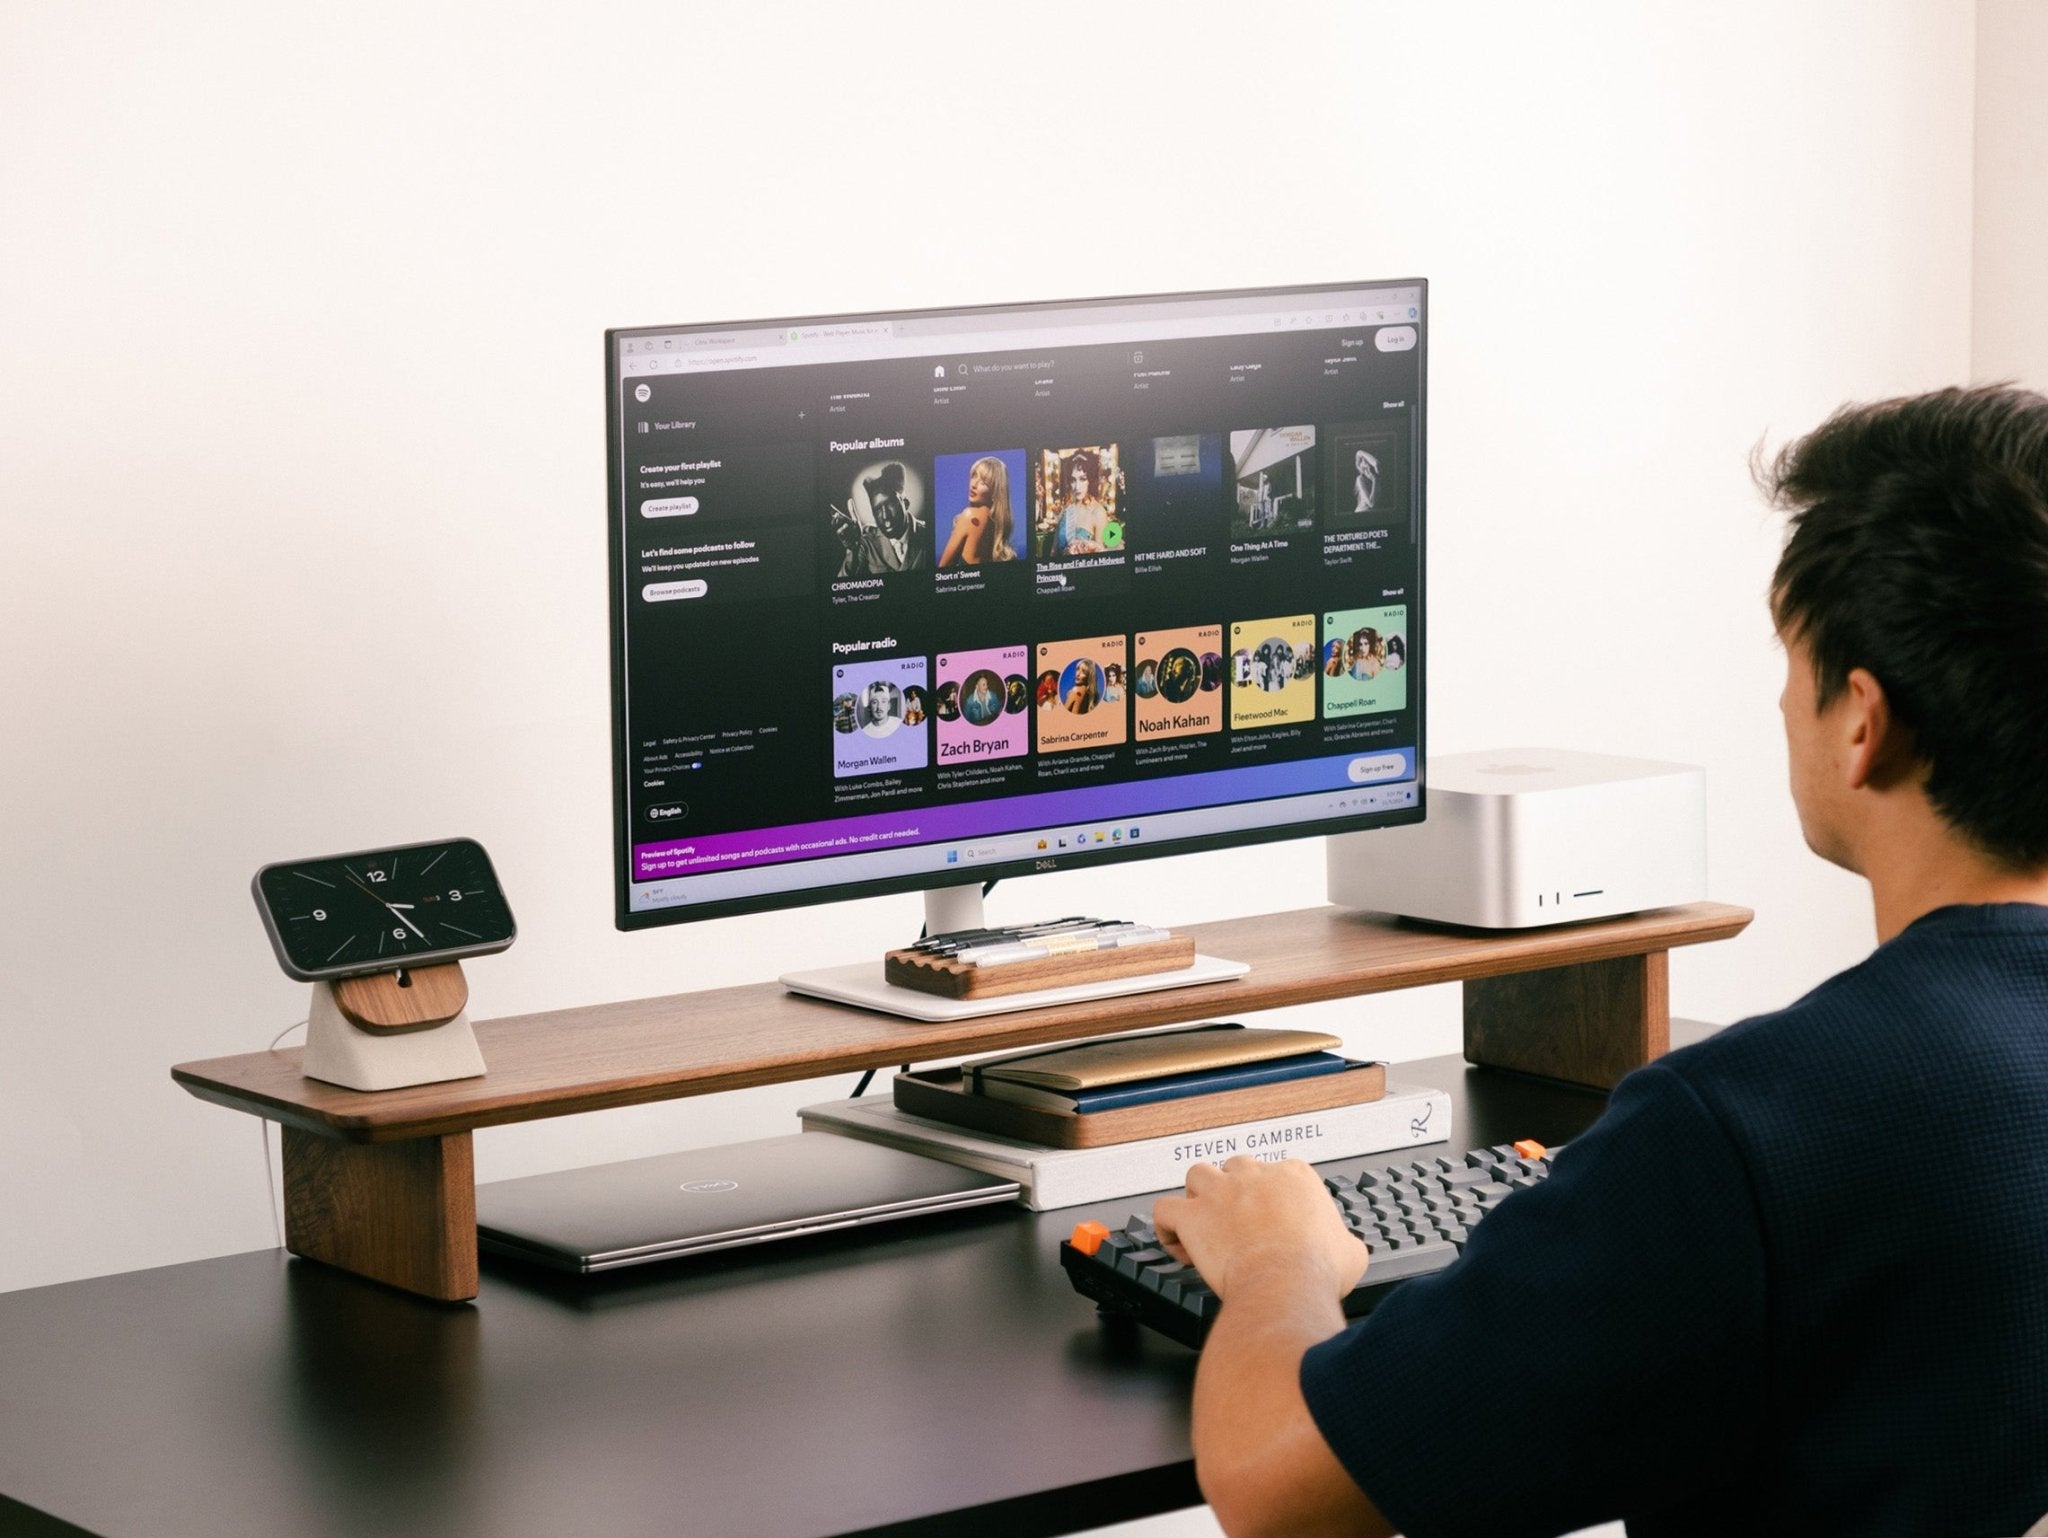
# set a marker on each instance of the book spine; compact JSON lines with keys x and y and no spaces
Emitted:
{"x":1071,"y":1177}
{"x":1406,"y":1117}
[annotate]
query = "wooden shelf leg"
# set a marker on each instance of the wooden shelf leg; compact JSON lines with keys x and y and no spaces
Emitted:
{"x":1588,"y":1023}
{"x":403,"y":1213}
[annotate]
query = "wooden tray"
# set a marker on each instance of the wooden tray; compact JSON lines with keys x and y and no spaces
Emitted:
{"x":936,"y":1093}
{"x":958,"y":980}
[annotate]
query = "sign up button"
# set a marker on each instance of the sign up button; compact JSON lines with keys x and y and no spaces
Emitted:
{"x":1381,"y":766}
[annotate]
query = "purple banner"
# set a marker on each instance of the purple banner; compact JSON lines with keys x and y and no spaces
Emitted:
{"x":1012,"y":814}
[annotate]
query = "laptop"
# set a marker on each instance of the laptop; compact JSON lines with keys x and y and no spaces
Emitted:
{"x":705,"y":1199}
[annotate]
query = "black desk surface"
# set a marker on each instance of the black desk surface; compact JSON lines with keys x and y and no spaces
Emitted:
{"x":929,"y":1377}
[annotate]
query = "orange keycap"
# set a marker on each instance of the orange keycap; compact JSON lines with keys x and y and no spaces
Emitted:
{"x":1529,"y":1148}
{"x":1088,"y":1237}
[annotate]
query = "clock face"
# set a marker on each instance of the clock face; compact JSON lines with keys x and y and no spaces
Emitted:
{"x":384,"y":909}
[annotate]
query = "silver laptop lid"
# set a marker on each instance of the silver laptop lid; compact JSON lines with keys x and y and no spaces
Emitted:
{"x":703,"y":1199}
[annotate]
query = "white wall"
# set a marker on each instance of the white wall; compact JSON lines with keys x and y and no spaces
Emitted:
{"x":2009,"y":322}
{"x":302,"y":490}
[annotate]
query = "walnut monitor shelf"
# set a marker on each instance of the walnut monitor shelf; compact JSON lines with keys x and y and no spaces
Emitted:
{"x":381,"y":1183}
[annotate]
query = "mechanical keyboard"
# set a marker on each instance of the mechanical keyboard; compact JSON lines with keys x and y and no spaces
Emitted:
{"x":1414,"y":1218}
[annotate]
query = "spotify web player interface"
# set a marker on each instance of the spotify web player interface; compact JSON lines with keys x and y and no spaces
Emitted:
{"x":897,"y":597}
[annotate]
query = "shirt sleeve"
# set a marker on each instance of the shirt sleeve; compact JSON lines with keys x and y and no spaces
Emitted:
{"x":1595,"y":1353}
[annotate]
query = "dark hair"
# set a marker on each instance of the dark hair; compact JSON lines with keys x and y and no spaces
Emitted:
{"x":1919,"y":551}
{"x":889,"y":479}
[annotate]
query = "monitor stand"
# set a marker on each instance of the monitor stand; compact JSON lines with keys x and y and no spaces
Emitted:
{"x":953,"y":908}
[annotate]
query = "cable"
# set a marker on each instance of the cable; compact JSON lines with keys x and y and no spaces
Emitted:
{"x":868,"y":1078}
{"x":263,"y":1131}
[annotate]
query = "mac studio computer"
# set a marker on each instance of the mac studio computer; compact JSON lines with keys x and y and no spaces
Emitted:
{"x":917,"y":601}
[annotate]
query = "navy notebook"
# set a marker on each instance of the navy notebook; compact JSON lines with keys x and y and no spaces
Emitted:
{"x":1172,"y":1086}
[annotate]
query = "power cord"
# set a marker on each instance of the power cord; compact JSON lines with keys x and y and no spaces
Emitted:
{"x":868,"y":1078}
{"x":263,"y":1131}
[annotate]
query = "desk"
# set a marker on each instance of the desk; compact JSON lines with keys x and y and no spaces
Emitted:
{"x":928,"y":1378}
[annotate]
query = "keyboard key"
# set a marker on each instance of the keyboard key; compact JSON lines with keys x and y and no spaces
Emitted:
{"x":1413,"y":1260}
{"x":1088,"y":1237}
{"x":1156,"y":1277}
{"x":1132,"y":1263}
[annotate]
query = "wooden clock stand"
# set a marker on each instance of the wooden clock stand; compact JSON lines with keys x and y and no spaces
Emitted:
{"x":392,"y":1029}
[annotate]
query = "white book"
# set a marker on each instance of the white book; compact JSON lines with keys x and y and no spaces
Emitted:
{"x":1067,"y":1177}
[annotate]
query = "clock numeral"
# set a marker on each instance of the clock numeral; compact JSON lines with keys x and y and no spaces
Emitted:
{"x":375,"y":875}
{"x":455,"y":896}
{"x":320,"y":915}
{"x":399,"y":933}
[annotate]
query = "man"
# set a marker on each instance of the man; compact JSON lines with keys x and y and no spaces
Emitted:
{"x":881,"y":707}
{"x":1796,"y":1277}
{"x":895,"y":540}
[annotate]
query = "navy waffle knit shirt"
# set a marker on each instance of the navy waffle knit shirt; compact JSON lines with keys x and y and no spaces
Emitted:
{"x":1795,"y":1280}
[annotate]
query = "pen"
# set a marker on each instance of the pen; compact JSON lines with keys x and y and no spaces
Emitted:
{"x":955,"y":945}
{"x":1081,"y":936}
{"x":997,"y":956}
{"x":954,"y":939}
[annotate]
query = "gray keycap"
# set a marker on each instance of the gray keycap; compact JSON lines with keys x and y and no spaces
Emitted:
{"x":1414,"y":1260}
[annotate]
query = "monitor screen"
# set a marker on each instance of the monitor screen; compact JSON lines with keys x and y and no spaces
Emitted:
{"x":920,"y":599}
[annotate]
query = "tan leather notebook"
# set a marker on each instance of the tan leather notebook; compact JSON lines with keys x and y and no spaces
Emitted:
{"x":1123,"y":1059}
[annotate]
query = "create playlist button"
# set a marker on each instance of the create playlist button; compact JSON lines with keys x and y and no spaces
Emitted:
{"x":668,"y":592}
{"x":668,"y":507}
{"x":1381,"y":766}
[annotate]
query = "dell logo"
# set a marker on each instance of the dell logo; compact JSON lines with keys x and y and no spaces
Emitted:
{"x":702,"y":1187}
{"x":1046,"y":865}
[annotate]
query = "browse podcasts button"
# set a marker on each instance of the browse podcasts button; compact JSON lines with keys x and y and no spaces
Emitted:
{"x":668,"y":592}
{"x":1381,"y":766}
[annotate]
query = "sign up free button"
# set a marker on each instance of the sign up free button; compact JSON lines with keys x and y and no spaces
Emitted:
{"x":1380,"y":766}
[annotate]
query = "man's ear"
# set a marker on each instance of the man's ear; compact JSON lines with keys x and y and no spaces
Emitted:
{"x":1879,"y":751}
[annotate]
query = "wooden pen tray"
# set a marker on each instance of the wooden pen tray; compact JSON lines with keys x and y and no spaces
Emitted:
{"x":964,"y":980}
{"x":936,"y":1093}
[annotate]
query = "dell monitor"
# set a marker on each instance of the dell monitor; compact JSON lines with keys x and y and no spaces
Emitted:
{"x":922,"y":599}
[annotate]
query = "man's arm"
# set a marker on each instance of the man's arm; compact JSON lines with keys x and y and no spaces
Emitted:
{"x":1269,"y":1243}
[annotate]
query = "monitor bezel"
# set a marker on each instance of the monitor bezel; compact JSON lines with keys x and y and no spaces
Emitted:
{"x":626,"y":918}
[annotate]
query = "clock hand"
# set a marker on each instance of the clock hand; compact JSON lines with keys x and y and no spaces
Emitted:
{"x":394,"y":907}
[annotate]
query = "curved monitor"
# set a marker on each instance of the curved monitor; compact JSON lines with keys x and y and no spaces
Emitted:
{"x":912,"y":600}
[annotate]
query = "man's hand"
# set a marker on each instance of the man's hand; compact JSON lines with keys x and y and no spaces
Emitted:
{"x":1250,"y":1218}
{"x":1267,"y":1239}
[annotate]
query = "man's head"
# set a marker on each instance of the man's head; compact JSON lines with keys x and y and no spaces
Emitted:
{"x":888,"y":499}
{"x":1915,"y":583}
